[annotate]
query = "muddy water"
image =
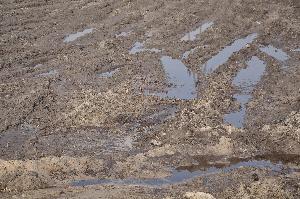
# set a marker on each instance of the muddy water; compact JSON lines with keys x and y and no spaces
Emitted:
{"x":186,"y":54}
{"x":183,"y":82}
{"x":297,"y":50}
{"x":184,"y":174}
{"x":222,"y":57}
{"x":107,"y":74}
{"x":191,"y":36}
{"x":237,"y":118}
{"x":276,"y":53}
{"x":49,"y":73}
{"x":73,"y":37}
{"x":139,"y":47}
{"x":245,"y":80}
{"x":123,"y":34}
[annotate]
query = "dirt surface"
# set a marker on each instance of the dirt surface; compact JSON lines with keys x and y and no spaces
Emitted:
{"x":85,"y":118}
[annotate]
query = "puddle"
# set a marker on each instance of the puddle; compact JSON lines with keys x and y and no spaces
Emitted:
{"x":183,"y":82}
{"x":139,"y":47}
{"x":123,"y":34}
{"x":275,"y":53}
{"x":48,"y":74}
{"x":191,"y":36}
{"x":186,"y":54}
{"x":185,"y":174}
{"x":245,"y":80}
{"x":73,"y":37}
{"x":222,"y":57}
{"x":108,"y":73}
{"x":296,"y":50}
{"x":38,"y":66}
{"x":237,"y":118}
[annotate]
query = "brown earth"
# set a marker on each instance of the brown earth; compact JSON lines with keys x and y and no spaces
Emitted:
{"x":60,"y":122}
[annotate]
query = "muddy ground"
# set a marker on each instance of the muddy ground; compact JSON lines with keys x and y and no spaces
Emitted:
{"x":86,"y":118}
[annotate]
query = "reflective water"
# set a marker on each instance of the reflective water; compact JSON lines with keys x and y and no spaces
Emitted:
{"x":237,"y":118}
{"x":73,"y":37}
{"x":123,"y":34}
{"x":297,"y":50}
{"x":186,"y":54}
{"x":191,"y":36}
{"x":48,"y":74}
{"x":245,"y":80}
{"x":108,"y":73}
{"x":184,"y":174}
{"x":275,"y":53}
{"x":139,"y":47}
{"x":183,"y":82}
{"x":222,"y":57}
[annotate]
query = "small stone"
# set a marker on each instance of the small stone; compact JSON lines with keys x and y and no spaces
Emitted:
{"x":255,"y":177}
{"x":155,"y":142}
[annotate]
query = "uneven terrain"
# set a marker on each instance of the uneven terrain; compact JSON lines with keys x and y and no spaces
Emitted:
{"x":150,"y":99}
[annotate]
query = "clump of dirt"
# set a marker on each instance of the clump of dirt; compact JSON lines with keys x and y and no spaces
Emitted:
{"x":268,"y":188}
{"x":284,"y":135}
{"x":23,"y":180}
{"x":19,"y":175}
{"x":110,"y":108}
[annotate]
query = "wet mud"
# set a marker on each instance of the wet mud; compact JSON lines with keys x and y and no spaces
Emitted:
{"x":149,"y":99}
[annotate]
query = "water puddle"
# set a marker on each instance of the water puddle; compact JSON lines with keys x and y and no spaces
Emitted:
{"x":38,"y":66}
{"x":245,"y":80}
{"x":222,"y":57}
{"x":183,"y":82}
{"x":48,"y":74}
{"x":139,"y":47}
{"x":191,"y":36}
{"x":186,"y":54}
{"x":123,"y":34}
{"x":296,"y":50}
{"x":185,"y":174}
{"x":275,"y":53}
{"x":108,"y":73}
{"x":73,"y":37}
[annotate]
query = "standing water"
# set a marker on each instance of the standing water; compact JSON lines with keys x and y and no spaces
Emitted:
{"x":73,"y":37}
{"x":222,"y":57}
{"x":275,"y":53}
{"x":191,"y":36}
{"x":183,"y":81}
{"x":245,"y":80}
